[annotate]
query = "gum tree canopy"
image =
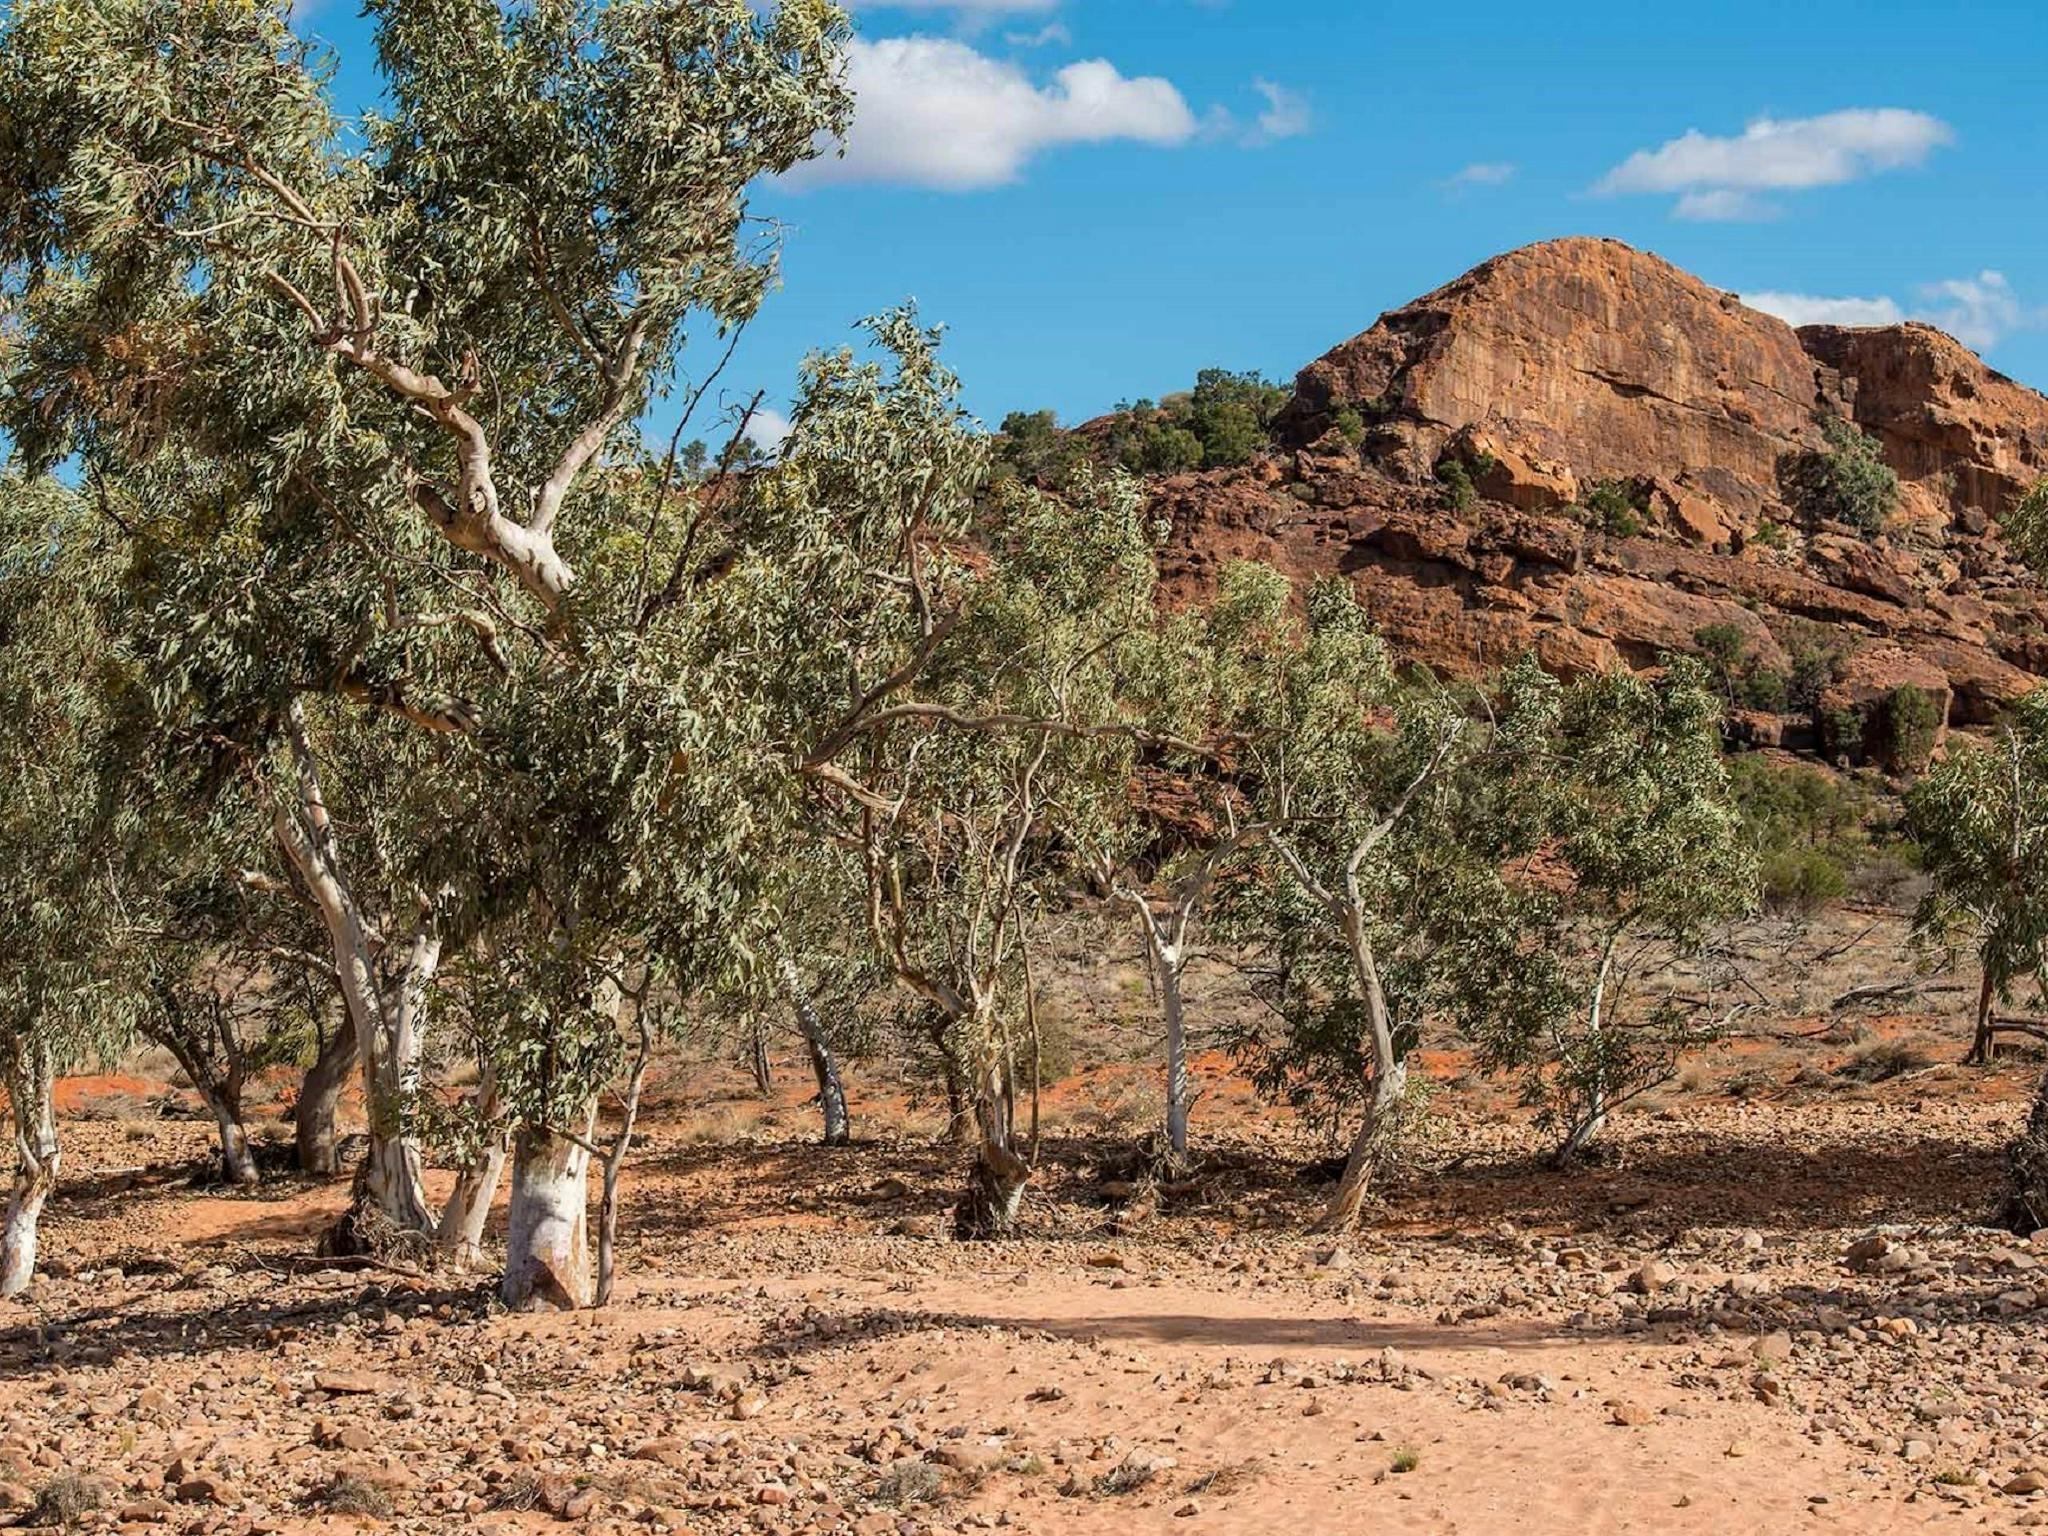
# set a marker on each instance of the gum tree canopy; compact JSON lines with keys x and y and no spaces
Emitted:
{"x":353,"y":389}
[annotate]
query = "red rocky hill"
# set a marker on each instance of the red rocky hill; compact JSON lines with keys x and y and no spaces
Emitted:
{"x":1561,"y":367}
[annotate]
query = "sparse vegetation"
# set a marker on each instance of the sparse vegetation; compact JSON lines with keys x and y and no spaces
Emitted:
{"x":351,"y":1495}
{"x":1848,"y":482}
{"x":1879,"y":1061}
{"x":66,"y":1501}
{"x":1616,"y":509}
{"x":1459,"y":472}
{"x":909,"y":1483}
{"x":392,"y":720}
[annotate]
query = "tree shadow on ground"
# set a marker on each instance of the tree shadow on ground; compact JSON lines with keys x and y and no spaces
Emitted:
{"x":1666,"y":1180}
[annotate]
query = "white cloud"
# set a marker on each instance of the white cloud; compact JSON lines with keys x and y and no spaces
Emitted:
{"x":1813,"y":309}
{"x":933,"y":112}
{"x":768,"y":430}
{"x":1287,"y":115}
{"x":1717,"y":178}
{"x":1053,"y":32}
{"x":1481,"y":173}
{"x":1723,"y":205}
{"x":1978,"y":311}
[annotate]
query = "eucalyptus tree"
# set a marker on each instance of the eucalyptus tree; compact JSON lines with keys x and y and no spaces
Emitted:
{"x":1645,"y":846}
{"x":1159,"y":847}
{"x":948,"y":676}
{"x":821,"y":967}
{"x":968,"y":844}
{"x":380,"y":367}
{"x":64,"y":953}
{"x":1980,"y":818}
{"x":1384,"y":845}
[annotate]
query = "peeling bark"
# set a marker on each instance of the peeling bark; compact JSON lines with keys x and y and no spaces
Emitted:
{"x":31,"y":1095}
{"x":547,"y":1240}
{"x":319,"y":1103}
{"x":467,"y":1214}
{"x":824,"y":1063}
{"x":383,"y":986}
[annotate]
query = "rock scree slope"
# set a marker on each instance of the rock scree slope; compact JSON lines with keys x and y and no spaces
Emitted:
{"x":1582,"y":365}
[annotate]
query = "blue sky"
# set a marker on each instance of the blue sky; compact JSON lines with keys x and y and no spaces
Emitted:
{"x":1099,"y":197}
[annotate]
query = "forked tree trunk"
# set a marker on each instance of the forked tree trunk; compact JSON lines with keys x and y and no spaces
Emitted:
{"x":385,"y":993}
{"x":31,"y":1095}
{"x":547,"y":1238}
{"x":1592,"y":1119}
{"x":995,"y":1190}
{"x":393,"y":1177}
{"x":758,"y":1062}
{"x":467,"y":1214}
{"x":824,"y":1063}
{"x":219,"y":1089}
{"x":1588,"y":1126}
{"x":319,"y":1105}
{"x":2027,"y":1205}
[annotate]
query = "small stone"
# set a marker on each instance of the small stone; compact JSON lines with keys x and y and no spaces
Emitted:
{"x":206,"y":1490}
{"x":1653,"y":1277}
{"x":350,"y":1383}
{"x":2027,"y":1482}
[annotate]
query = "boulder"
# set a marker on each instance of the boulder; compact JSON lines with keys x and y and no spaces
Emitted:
{"x":1551,"y":369}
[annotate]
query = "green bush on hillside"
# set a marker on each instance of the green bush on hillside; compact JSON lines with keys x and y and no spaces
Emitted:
{"x":1848,"y":483}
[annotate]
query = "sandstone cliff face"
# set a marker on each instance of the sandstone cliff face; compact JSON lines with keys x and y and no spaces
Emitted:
{"x":1561,"y":366}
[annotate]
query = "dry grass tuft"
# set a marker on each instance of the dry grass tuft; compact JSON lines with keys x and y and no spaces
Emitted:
{"x":909,"y":1482}
{"x":1882,"y":1060}
{"x":348,"y":1495}
{"x":67,"y":1500}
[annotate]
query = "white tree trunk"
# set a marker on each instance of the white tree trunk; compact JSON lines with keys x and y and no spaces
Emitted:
{"x":467,"y":1215}
{"x":384,"y":995}
{"x":1592,"y":1119}
{"x":1382,"y":1121}
{"x":237,"y":1162}
{"x":824,"y":1063}
{"x":468,"y":1211}
{"x":1167,"y":964}
{"x":31,"y":1094}
{"x":547,"y":1239}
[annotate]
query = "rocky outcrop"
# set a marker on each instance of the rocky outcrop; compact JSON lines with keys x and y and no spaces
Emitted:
{"x":1966,"y":441}
{"x":1582,"y":371}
